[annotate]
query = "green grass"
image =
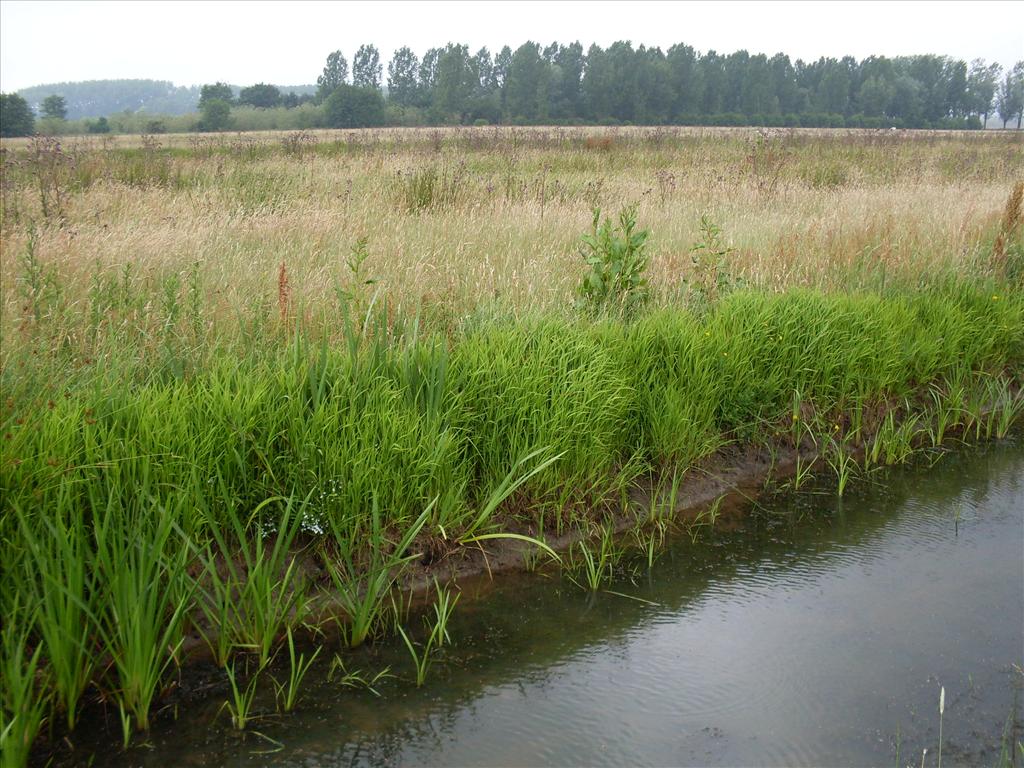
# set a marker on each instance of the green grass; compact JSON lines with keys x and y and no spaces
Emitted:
{"x":136,"y":502}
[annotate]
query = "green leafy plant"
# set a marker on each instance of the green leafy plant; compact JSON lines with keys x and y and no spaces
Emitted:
{"x":617,"y":257}
{"x":712,"y":278}
{"x":353,"y":297}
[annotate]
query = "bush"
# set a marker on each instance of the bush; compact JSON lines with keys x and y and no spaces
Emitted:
{"x":216,"y":115}
{"x":100,"y":126}
{"x":353,"y":107}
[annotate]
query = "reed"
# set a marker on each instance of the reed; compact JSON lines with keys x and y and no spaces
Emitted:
{"x":842,"y":462}
{"x":1007,"y":243}
{"x":287,"y":693}
{"x":60,"y":581}
{"x":144,"y":601}
{"x":339,"y":673}
{"x":362,"y":587}
{"x":252,"y":593}
{"x":240,"y":705}
{"x":437,"y":636}
{"x":591,"y":565}
{"x":24,"y":697}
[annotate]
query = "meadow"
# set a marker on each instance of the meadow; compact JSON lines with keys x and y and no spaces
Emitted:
{"x":250,"y":381}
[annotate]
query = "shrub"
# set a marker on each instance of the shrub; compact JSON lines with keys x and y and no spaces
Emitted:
{"x":353,"y":107}
{"x":100,"y":126}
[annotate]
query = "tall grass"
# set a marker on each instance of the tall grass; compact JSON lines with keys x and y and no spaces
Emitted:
{"x":926,"y":204}
{"x":177,"y":499}
{"x":255,"y":591}
{"x":60,"y":580}
{"x":144,"y":601}
{"x":23,"y":695}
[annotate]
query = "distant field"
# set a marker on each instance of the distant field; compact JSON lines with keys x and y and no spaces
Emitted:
{"x":537,"y":133}
{"x":466,"y":215}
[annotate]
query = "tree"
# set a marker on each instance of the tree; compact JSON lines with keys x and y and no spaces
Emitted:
{"x":366,"y":68}
{"x":402,"y":81}
{"x":483,"y":72}
{"x":567,"y":99}
{"x":1010,"y":99}
{"x":833,"y":93}
{"x":981,"y":87}
{"x":353,"y":107}
{"x":334,"y":75}
{"x":906,"y":103}
{"x":217,"y":91}
{"x":216,"y":115}
{"x":1018,"y":76}
{"x":484,"y":98}
{"x":525,"y":89}
{"x":930,"y":72}
{"x":757,"y":93}
{"x":652,"y":101}
{"x":55,"y":107}
{"x":597,"y":84}
{"x":783,"y":79}
{"x":687,"y":85}
{"x":16,"y":119}
{"x":874,"y":97}
{"x":502,"y":64}
{"x":626,"y":96}
{"x":260,"y":95}
{"x":954,"y":76}
{"x":454,"y":84}
{"x":96,"y":98}
{"x":428,"y":76}
{"x":100,"y":126}
{"x":713,"y":75}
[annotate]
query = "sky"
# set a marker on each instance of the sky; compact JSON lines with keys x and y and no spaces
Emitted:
{"x":286,"y":43}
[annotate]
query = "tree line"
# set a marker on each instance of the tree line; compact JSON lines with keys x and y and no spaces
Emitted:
{"x":620,"y":85}
{"x":623,"y":84}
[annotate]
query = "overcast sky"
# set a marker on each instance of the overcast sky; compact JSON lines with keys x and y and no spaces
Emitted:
{"x":287,"y":42}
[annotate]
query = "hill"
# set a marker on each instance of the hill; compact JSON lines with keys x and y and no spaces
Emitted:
{"x":99,"y":98}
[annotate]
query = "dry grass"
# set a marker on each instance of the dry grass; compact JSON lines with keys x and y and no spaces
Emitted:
{"x":267,"y":215}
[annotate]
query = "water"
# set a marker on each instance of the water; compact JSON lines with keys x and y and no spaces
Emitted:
{"x":816,"y":631}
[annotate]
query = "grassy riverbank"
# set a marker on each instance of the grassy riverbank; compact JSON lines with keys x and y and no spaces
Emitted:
{"x":206,"y":431}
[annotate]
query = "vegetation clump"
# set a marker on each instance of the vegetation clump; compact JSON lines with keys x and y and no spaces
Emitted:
{"x":617,"y":257}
